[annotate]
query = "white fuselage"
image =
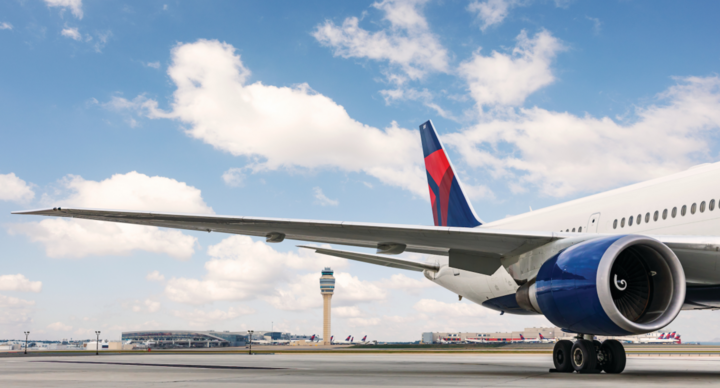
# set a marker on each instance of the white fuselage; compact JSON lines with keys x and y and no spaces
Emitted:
{"x":658,"y":205}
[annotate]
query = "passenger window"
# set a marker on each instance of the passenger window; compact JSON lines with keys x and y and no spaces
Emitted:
{"x":639,"y":219}
{"x":655,"y":216}
{"x":683,"y":210}
{"x":615,"y":224}
{"x":580,"y":229}
{"x":567,"y":230}
{"x":665,"y":214}
{"x":702,"y":206}
{"x":712,"y":204}
{"x":647,"y":217}
{"x":630,"y":220}
{"x":622,"y":223}
{"x":693,"y":208}
{"x":674,"y":212}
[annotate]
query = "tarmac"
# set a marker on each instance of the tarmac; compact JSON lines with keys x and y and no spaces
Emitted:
{"x":405,"y":369}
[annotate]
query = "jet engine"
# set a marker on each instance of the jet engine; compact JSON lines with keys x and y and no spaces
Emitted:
{"x":617,"y":285}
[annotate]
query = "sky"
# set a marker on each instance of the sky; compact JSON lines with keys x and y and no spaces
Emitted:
{"x":310,"y":110}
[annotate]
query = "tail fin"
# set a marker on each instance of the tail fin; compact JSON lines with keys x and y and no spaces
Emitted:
{"x":449,"y":204}
{"x":521,"y":337}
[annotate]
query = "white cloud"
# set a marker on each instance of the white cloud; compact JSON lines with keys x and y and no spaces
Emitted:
{"x":563,"y":154}
{"x":14,"y":189}
{"x":219,"y":107}
{"x":71,"y":33}
{"x":492,"y":12}
{"x":146,"y":306}
{"x":597,"y":24}
{"x":347,"y":312}
{"x":6,"y":26}
{"x":407,"y":44}
{"x":15,"y":313}
{"x":155,"y":276}
{"x":131,"y":191}
{"x":59,"y":326}
{"x":154,"y":65}
{"x":242,"y":269}
{"x":403,"y":282}
{"x":202,"y":318}
{"x":18,"y":283}
{"x":101,"y":40}
{"x":444,"y":309}
{"x":424,"y":96}
{"x":508,"y":79}
{"x":75,"y":6}
{"x":9,"y":302}
{"x":234,"y":177}
{"x":322,"y":200}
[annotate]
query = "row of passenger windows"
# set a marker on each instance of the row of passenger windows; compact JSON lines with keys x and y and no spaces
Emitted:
{"x":573,"y":230}
{"x":673,"y":213}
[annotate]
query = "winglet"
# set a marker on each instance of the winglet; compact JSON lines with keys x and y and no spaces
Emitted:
{"x":449,"y":204}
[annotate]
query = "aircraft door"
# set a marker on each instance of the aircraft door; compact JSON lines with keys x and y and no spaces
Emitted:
{"x":593,"y":223}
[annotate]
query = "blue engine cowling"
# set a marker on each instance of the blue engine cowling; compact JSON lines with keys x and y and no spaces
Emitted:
{"x":617,"y":285}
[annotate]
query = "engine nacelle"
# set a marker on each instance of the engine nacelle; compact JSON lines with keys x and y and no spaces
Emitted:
{"x":617,"y":285}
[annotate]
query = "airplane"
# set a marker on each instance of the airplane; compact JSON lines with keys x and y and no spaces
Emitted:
{"x":528,"y":340}
{"x":347,"y":341}
{"x":544,"y":340}
{"x":476,"y":340}
{"x":622,"y":262}
{"x":663,"y":338}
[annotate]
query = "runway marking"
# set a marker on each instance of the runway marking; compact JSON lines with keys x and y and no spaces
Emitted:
{"x":165,"y":365}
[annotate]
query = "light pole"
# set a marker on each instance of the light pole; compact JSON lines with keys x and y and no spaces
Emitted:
{"x":250,"y":333}
{"x":97,"y":342}
{"x":27,"y":333}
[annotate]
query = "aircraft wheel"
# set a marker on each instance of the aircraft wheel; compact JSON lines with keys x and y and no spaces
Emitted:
{"x":601,"y":356}
{"x":615,"y":353}
{"x":583,"y":356}
{"x":562,"y":355}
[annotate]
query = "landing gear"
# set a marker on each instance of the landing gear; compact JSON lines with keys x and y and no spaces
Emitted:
{"x":614,"y":354}
{"x":561,"y":356}
{"x":588,"y":356}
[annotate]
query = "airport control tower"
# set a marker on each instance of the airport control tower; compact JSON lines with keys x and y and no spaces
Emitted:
{"x":327,"y":287}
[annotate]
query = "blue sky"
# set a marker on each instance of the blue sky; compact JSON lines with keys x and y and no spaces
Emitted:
{"x":309,"y":110}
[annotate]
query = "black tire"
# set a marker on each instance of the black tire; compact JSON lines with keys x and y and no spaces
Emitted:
{"x":583,"y":356}
{"x":615,"y":354}
{"x":601,"y":359}
{"x":561,"y":356}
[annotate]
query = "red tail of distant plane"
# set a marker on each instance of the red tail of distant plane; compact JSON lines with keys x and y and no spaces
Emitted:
{"x":541,"y":336}
{"x":522,"y":338}
{"x":662,"y":336}
{"x":348,"y":338}
{"x":364,"y":338}
{"x":331,"y":338}
{"x":312,"y":338}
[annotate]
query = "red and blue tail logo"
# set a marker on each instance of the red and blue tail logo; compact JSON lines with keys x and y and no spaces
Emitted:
{"x":521,"y":337}
{"x":364,"y":338}
{"x":449,"y":205}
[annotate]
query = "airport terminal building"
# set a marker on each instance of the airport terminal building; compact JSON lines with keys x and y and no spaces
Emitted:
{"x":186,"y":339}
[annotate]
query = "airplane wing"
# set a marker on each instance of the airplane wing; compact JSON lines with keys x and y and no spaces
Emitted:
{"x":386,"y":238}
{"x":474,"y":249}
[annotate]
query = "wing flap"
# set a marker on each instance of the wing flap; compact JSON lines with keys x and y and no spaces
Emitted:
{"x":374,"y":259}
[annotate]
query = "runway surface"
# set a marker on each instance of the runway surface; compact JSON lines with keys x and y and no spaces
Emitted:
{"x":348,"y":370}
